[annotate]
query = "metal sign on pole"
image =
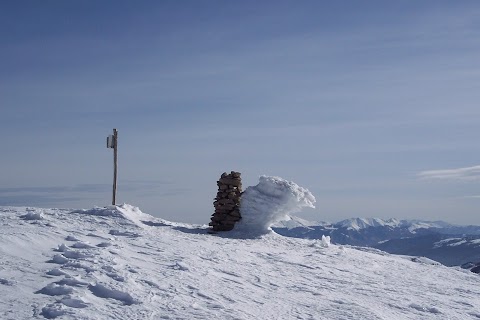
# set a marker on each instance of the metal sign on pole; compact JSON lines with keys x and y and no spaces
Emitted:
{"x":112,"y":143}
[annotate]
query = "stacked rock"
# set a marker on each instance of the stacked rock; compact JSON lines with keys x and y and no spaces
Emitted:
{"x":227,"y":202}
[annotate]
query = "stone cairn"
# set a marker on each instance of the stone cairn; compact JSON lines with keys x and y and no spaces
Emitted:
{"x":227,"y":202}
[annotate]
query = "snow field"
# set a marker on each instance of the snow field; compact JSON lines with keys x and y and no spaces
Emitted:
{"x":119,"y":263}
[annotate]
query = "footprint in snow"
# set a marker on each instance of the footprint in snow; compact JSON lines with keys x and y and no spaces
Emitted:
{"x":58,"y":259}
{"x":6,"y":282}
{"x":54,"y":310}
{"x":53,"y":289}
{"x":68,"y":258}
{"x":180,"y":266}
{"x":61,"y":248}
{"x":71,"y":238}
{"x":97,"y":236}
{"x":124,"y":233}
{"x":72,"y":282}
{"x":230,"y":273}
{"x":424,"y":309}
{"x":78,"y":265}
{"x":116,"y":277}
{"x":101,"y":291}
{"x":104,"y":244}
{"x":151,"y":284}
{"x":56,"y":272}
{"x":73,"y":303}
{"x":77,"y":255}
{"x":82,"y":245}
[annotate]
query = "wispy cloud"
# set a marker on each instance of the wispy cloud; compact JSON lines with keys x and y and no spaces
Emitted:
{"x":55,"y":189}
{"x":468,"y":173}
{"x":40,"y":200}
{"x":470,"y":197}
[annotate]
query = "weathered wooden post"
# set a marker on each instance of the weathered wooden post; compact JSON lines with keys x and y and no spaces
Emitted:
{"x":112,"y":143}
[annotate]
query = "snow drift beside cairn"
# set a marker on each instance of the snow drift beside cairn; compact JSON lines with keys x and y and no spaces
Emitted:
{"x":269,"y":202}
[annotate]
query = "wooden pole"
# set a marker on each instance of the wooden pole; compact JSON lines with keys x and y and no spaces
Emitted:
{"x":115,"y":140}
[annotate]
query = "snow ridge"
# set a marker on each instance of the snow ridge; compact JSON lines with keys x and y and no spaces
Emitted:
{"x":124,"y":211}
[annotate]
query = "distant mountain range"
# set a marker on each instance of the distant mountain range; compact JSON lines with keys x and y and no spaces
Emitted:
{"x":448,"y":244}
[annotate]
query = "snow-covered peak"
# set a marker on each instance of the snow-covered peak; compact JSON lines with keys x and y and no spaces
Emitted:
{"x":295,"y":222}
{"x":362,"y":223}
{"x":419,"y":224}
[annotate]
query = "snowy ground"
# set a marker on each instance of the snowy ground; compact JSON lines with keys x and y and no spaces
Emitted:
{"x":119,"y":263}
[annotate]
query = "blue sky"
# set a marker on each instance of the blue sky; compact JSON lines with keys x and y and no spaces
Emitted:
{"x":364,"y":103}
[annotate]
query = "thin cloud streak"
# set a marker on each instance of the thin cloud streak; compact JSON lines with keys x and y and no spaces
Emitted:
{"x":470,"y":197}
{"x":468,"y":173}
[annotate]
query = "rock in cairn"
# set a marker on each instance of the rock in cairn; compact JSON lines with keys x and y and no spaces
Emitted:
{"x":227,"y":202}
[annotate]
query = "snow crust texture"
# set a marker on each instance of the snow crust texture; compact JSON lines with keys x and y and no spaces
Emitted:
{"x":269,"y":202}
{"x":60,"y":267}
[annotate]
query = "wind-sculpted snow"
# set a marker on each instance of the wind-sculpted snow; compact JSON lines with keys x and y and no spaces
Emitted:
{"x":61,"y":268}
{"x":271,"y":201}
{"x":124,"y":211}
{"x":32,"y":216}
